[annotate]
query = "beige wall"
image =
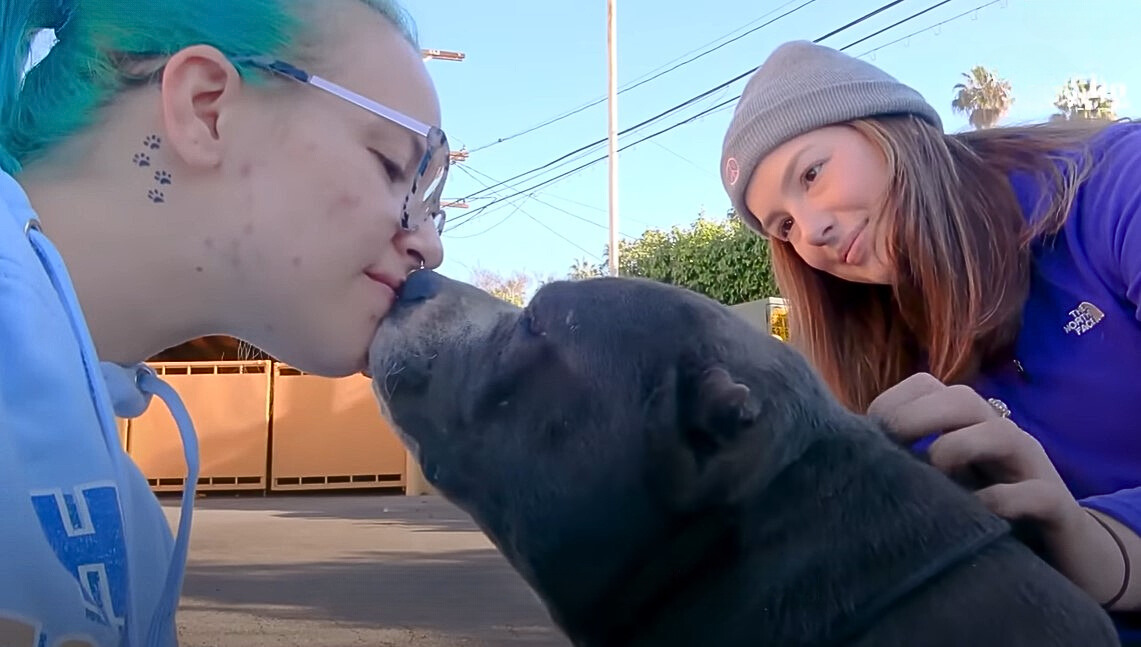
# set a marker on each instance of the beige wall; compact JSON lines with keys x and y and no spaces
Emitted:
{"x":265,"y":426}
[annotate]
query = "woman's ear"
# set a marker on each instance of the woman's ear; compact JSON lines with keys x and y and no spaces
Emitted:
{"x":200,"y":86}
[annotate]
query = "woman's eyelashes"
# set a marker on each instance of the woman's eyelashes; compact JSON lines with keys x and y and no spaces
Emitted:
{"x":394,"y":171}
{"x":811,"y":174}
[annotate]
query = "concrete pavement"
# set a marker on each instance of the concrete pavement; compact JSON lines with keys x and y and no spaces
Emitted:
{"x":331,"y":570}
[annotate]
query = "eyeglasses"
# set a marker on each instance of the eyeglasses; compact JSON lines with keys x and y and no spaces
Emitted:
{"x":422,"y":204}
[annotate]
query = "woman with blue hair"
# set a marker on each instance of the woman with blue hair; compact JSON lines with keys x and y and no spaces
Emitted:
{"x":266,"y":169}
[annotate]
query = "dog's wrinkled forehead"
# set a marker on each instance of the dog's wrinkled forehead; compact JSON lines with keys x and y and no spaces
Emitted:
{"x":637,"y":314}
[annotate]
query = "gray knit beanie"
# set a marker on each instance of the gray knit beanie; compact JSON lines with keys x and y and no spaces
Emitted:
{"x":801,"y":87}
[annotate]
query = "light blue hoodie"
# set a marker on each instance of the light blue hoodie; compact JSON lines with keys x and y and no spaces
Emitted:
{"x":86,"y":554}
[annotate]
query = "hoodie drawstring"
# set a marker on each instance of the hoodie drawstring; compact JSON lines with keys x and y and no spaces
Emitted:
{"x":148,"y":383}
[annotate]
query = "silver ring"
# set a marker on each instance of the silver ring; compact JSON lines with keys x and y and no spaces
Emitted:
{"x":33,"y":223}
{"x":999,"y":407}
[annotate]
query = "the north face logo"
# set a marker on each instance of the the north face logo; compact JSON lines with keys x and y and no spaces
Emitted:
{"x":1083,"y":318}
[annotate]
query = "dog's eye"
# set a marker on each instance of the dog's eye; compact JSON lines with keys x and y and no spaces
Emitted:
{"x":530,"y":325}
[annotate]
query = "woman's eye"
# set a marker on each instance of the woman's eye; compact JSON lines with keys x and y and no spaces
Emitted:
{"x":812,"y":173}
{"x":784,"y":227}
{"x":392,"y":169}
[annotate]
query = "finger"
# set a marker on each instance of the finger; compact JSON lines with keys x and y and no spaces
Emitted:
{"x":1033,"y":500}
{"x":954,"y":407}
{"x":996,"y":448}
{"x":915,"y":386}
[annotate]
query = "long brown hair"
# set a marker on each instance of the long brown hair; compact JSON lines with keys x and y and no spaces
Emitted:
{"x":960,"y":243}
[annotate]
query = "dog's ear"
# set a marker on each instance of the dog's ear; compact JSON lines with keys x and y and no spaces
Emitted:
{"x":720,"y":408}
{"x":711,"y":415}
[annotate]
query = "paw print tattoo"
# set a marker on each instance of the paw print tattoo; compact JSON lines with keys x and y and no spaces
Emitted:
{"x":162,"y":177}
{"x":156,"y":196}
{"x":141,"y":159}
{"x":152,"y":142}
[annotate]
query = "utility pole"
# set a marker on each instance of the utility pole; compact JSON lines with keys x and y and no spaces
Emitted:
{"x":612,"y":60}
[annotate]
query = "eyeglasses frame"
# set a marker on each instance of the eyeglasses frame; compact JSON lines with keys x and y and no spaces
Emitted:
{"x":435,"y":139}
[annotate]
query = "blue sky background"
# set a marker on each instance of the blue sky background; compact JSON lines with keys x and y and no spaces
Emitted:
{"x":531,"y":60}
{"x":528,"y":61}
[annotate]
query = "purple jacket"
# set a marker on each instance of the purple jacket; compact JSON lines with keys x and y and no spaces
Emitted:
{"x":1079,"y":388}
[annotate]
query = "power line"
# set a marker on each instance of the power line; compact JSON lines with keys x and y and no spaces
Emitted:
{"x":462,"y":221}
{"x":519,"y":209}
{"x":451,"y":230}
{"x":569,"y":213}
{"x":586,"y":148}
{"x":687,"y":102}
{"x":652,"y":74}
{"x":690,"y":101}
{"x":471,"y":169}
{"x":895,"y":24}
{"x":570,"y":158}
{"x":683,"y":158}
{"x":530,"y":189}
{"x":548,"y":228}
{"x":930,"y":27}
{"x":714,"y":49}
{"x":478,"y":210}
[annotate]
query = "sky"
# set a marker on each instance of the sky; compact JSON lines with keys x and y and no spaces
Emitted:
{"x":528,"y":61}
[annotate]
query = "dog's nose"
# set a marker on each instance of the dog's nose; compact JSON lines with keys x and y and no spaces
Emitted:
{"x":420,"y":285}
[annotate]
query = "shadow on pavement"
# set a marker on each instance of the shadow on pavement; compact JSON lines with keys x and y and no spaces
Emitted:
{"x":467,"y":593}
{"x":425,"y":512}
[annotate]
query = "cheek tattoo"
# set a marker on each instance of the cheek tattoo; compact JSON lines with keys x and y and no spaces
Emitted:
{"x":143,"y":160}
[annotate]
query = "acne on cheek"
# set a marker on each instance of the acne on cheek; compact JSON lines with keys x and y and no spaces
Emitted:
{"x":345,"y":202}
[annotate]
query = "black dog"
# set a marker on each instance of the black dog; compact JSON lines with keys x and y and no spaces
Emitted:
{"x":662,"y":473}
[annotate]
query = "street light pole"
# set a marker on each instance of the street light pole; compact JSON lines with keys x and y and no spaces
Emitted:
{"x":612,"y":60}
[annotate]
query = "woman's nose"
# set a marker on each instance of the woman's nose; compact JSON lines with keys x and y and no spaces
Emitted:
{"x":425,"y":245}
{"x":818,"y":227}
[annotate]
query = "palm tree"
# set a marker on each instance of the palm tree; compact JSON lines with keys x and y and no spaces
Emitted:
{"x":1082,"y":98}
{"x":984,"y":97}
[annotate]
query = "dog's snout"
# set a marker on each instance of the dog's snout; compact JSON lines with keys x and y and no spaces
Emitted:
{"x":421,"y":285}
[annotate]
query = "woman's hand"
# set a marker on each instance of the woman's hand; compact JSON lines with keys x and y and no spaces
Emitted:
{"x":1018,"y":481}
{"x":977,"y":442}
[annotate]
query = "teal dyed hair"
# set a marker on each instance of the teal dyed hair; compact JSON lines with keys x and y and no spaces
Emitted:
{"x":104,"y":47}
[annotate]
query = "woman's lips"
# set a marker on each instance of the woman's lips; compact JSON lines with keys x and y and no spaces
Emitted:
{"x":852,"y":253}
{"x":393,"y":284}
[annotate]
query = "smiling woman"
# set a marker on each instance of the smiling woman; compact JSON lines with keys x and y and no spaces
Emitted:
{"x":265,"y":170}
{"x":979,"y":292}
{"x":835,"y":181}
